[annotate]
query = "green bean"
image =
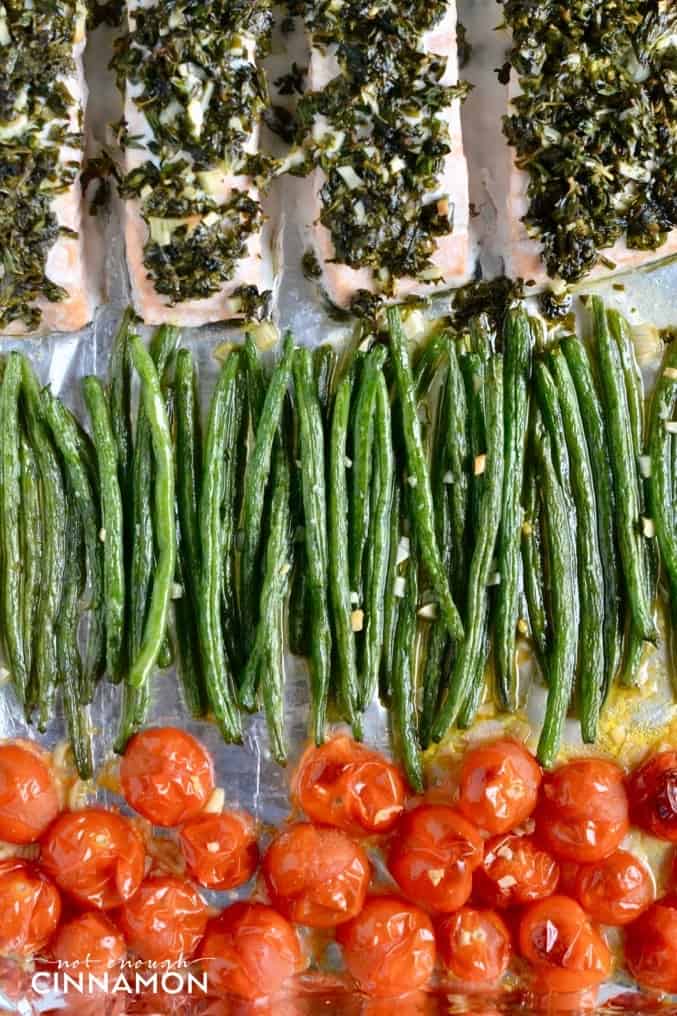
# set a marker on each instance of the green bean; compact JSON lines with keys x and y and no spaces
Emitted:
{"x":473,"y":369}
{"x":403,"y":678}
{"x":466,"y":665}
{"x":421,"y":500}
{"x":624,"y":469}
{"x":473,"y":701}
{"x":315,"y":514}
{"x":10,"y":507}
{"x":256,"y":480}
{"x":390,"y":600}
{"x":112,"y":523}
{"x":53,"y":548}
{"x":429,"y":358}
{"x":120,"y":397}
{"x":339,"y":577}
{"x":234,"y":452}
{"x":532,"y":567}
{"x":590,"y":574}
{"x":634,"y":385}
{"x":69,"y":443}
{"x":663,"y":405}
{"x":560,"y":548}
{"x":256,"y":380}
{"x":517,"y":350}
{"x":551,"y":411}
{"x":325,"y":361}
{"x":31,"y":536}
{"x":457,"y":454}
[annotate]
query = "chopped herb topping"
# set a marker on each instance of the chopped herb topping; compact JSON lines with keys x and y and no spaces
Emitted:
{"x":595,"y":125}
{"x":36,"y":55}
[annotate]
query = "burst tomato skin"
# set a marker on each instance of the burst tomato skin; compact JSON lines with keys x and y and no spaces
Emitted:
{"x":583,"y":814}
{"x":89,"y":942}
{"x":389,"y":948}
{"x":250,"y":951}
{"x":28,"y":798}
{"x":614,"y":891}
{"x":652,"y":789}
{"x":515,"y":871}
{"x":474,"y":945}
{"x":316,"y":876}
{"x":165,"y":920}
{"x":96,"y":856}
{"x":650,"y":946}
{"x":344,"y":784}
{"x":433,"y":855}
{"x":499,"y":784}
{"x":166,"y":775}
{"x":220,"y":851}
{"x":566,"y":952}
{"x":30,"y":908}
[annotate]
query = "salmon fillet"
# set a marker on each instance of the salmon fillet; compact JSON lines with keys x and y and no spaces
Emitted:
{"x":253,"y":268}
{"x":449,"y":261}
{"x":65,"y":262}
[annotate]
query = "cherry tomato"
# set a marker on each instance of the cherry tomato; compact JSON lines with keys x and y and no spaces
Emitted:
{"x":250,"y":950}
{"x":433,"y":856}
{"x":474,"y":945}
{"x":344,"y":784}
{"x":28,"y":797}
{"x":499,"y":785}
{"x":515,"y":871}
{"x":95,"y":856}
{"x":166,"y":775}
{"x":650,"y":949}
{"x":30,"y":907}
{"x":165,"y":920}
{"x":652,"y":790}
{"x":583,"y":814}
{"x":89,"y":942}
{"x":389,"y":948}
{"x":220,"y":850}
{"x":567,"y":953}
{"x":616,"y":890}
{"x":316,"y":876}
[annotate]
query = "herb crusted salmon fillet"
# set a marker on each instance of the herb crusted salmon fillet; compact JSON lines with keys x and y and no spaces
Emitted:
{"x":44,"y":282}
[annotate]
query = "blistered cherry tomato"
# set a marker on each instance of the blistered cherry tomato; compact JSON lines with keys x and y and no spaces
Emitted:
{"x":389,"y":948}
{"x":499,"y":785}
{"x":30,"y":907}
{"x":165,"y":920}
{"x":316,"y":876}
{"x":652,"y":789}
{"x":515,"y":870}
{"x":474,"y":945}
{"x":583,"y":814}
{"x":95,"y":856}
{"x":567,"y":952}
{"x":220,"y":850}
{"x":250,"y":950}
{"x":28,"y":797}
{"x":166,"y":775}
{"x":344,"y":784}
{"x":89,"y":942}
{"x":616,"y":890}
{"x":651,"y":946}
{"x":433,"y":856}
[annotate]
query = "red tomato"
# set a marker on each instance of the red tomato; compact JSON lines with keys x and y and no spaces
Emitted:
{"x":30,"y":907}
{"x":583,"y":814}
{"x":389,"y":948}
{"x":433,"y":856}
{"x":28,"y":797}
{"x":250,"y":950}
{"x":166,"y":775}
{"x":474,"y":945}
{"x":89,"y":942}
{"x":165,"y":920}
{"x":220,"y":850}
{"x":567,"y":953}
{"x":651,"y":946}
{"x":616,"y":890}
{"x":96,"y":856}
{"x":515,"y":871}
{"x":344,"y":784}
{"x":499,"y":785}
{"x":652,"y":789}
{"x":316,"y":876}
